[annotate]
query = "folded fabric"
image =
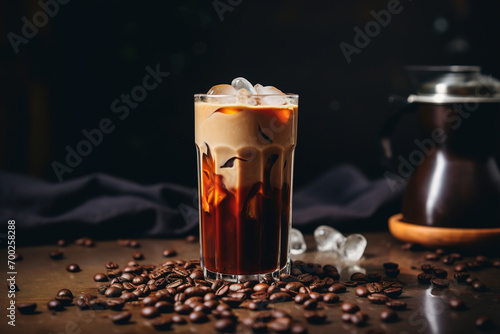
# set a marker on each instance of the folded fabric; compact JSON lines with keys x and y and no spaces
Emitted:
{"x":103,"y":206}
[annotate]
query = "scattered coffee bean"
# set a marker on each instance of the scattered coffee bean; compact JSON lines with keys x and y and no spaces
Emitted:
{"x":298,"y":328}
{"x":485,"y":323}
{"x":27,"y":308}
{"x":392,"y":273}
{"x":461,"y":277}
{"x":150,"y":312}
{"x":301,"y":298}
{"x":361,"y":291}
{"x":100,"y":277}
{"x":315,"y":317}
{"x":169,"y":252}
{"x":161,"y":323}
{"x":225,"y":325}
{"x":112,"y":292}
{"x":471,"y":279}
{"x":115,"y":304}
{"x":62,"y":243}
{"x":310,"y":304}
{"x":457,"y":304}
{"x":474,"y":265}
{"x":377,"y":298}
{"x":98,"y":304}
{"x":55,"y":305}
{"x":316,"y":295}
{"x":358,"y":277}
{"x":280,"y":297}
{"x":432,"y":257}
{"x":359,"y":318}
{"x":198,"y":317}
{"x":496,"y":263}
{"x":331,"y":298}
{"x":396,"y":304}
{"x":137,"y":256}
{"x":388,"y":315}
{"x":134,"y":244}
{"x":56,"y":255}
{"x":182,"y":309}
{"x":449,"y":260}
{"x":440,"y":273}
{"x":478,"y":286}
{"x":346,"y":317}
{"x":427,"y":268}
{"x":390,"y":265}
{"x":440,"y":283}
{"x":350,"y":284}
{"x":393,"y":292}
{"x":280,"y":325}
{"x":73,"y":268}
{"x":349,"y":307}
{"x":164,"y":306}
{"x":337,"y":288}
{"x":374,"y":287}
{"x":191,"y":238}
{"x":120,"y":318}
{"x":64,"y":300}
{"x":461,"y":268}
{"x":177,"y":319}
{"x":64,"y":293}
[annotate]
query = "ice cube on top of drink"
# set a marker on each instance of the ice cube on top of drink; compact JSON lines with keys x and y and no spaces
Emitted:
{"x":245,"y":137}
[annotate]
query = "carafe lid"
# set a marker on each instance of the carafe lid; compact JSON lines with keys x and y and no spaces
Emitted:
{"x":452,"y":84}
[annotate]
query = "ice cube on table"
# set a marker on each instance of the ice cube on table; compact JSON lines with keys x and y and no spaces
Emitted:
{"x":354,"y":247}
{"x":297,"y":242}
{"x":242,"y":83}
{"x":328,"y":239}
{"x":223,"y":89}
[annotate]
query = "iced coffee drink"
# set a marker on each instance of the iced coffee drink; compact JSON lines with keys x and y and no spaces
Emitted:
{"x":245,"y":138}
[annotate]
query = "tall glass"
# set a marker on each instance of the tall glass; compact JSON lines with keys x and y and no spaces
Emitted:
{"x":245,"y":154}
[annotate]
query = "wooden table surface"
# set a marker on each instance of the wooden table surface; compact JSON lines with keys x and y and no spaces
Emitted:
{"x":39,"y":278}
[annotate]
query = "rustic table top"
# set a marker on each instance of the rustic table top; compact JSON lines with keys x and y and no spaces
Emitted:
{"x":39,"y":278}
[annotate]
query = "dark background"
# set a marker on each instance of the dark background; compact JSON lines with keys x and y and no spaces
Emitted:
{"x":64,"y":79}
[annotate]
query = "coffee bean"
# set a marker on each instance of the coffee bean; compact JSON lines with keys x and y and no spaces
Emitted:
{"x":393,"y":292}
{"x":305,"y":278}
{"x":337,"y":288}
{"x":388,"y":315}
{"x":225,"y":325}
{"x":359,"y":318}
{"x":484,"y":261}
{"x":294,"y":286}
{"x":100,"y":277}
{"x":113,"y":292}
{"x":64,"y":300}
{"x":471,"y":279}
{"x":440,"y":273}
{"x":474,"y":265}
{"x":478,"y":286}
{"x":449,"y":260}
{"x":169,"y":252}
{"x":161,"y":323}
{"x":374,"y":287}
{"x":151,"y":312}
{"x":55,"y":305}
{"x":461,"y":277}
{"x":260,"y":287}
{"x":373,"y":277}
{"x":440,"y":283}
{"x":350,"y":284}
{"x":396,"y":304}
{"x":62,"y":243}
{"x":73,"y":268}
{"x":64,"y":293}
{"x":390,"y":265}
{"x":316,"y":295}
{"x":298,"y":328}
{"x":232,"y":302}
{"x":182,"y":309}
{"x":198,"y":317}
{"x":315,"y":317}
{"x":121,"y":318}
{"x":485,"y":323}
{"x":377,"y":298}
{"x":280,"y":297}
{"x":427,"y":268}
{"x":457,"y":304}
{"x":496,"y":263}
{"x":114,"y":273}
{"x":56,"y":255}
{"x":432,"y":257}
{"x":424,"y":278}
{"x":358,"y":277}
{"x":280,"y":325}
{"x":177,"y":319}
{"x":361,"y":291}
{"x":461,"y":268}
{"x":301,"y":298}
{"x":331,"y":298}
{"x":98,"y":304}
{"x":310,"y":304}
{"x":392,"y":273}
{"x":116,"y":304}
{"x":137,"y":256}
{"x":346,"y":317}
{"x":134,"y":244}
{"x":27,"y":308}
{"x":349,"y":307}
